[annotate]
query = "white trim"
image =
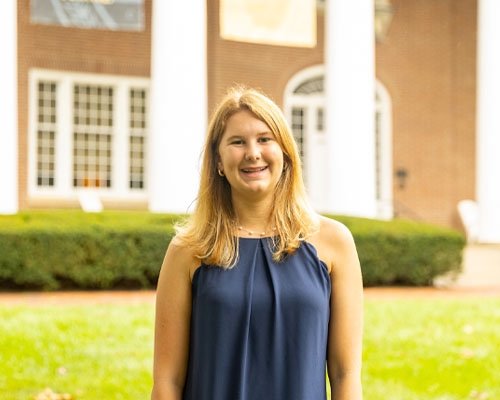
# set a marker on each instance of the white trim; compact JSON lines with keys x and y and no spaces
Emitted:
{"x":298,"y":78}
{"x":385,"y":207}
{"x":83,"y":77}
{"x":63,"y":189}
{"x":120,"y":176}
{"x":9,"y":202}
{"x":314,"y":145}
{"x":488,"y":121}
{"x":64,"y":142}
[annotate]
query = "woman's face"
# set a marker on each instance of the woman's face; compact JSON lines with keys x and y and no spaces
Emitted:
{"x":250,"y":156}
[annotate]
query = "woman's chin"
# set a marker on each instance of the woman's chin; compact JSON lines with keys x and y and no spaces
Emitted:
{"x":256,"y":188}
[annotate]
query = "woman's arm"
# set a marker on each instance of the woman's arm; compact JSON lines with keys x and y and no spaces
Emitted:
{"x":346,"y":314}
{"x":173,"y":313}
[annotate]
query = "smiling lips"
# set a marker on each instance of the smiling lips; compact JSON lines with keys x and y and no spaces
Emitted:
{"x":253,"y":170}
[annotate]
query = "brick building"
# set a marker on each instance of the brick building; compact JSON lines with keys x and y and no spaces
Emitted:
{"x":115,"y":101}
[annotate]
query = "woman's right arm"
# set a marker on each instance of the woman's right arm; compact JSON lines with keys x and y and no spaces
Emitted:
{"x":172,"y":324}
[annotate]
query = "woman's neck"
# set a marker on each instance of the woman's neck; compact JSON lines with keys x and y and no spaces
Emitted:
{"x":253,"y":215}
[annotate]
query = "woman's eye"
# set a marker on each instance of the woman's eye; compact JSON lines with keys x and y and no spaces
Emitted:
{"x":237,"y":141}
{"x":264,"y":139}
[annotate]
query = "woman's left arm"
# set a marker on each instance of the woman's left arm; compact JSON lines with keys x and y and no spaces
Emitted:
{"x":346,"y":315}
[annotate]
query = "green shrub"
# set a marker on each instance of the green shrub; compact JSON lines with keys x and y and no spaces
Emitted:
{"x":69,"y":249}
{"x":52,"y":250}
{"x":401,"y":252}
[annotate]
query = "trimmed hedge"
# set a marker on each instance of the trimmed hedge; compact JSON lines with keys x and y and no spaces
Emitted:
{"x":71,"y":249}
{"x":50,"y":250}
{"x":402,"y":252}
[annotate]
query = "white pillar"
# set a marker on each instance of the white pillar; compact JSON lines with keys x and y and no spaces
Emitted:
{"x":8,"y":108}
{"x":350,"y":107}
{"x":488,"y":121}
{"x":178,"y":103}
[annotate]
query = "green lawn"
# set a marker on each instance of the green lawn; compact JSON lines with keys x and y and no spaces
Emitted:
{"x":98,"y":352}
{"x":428,"y":349}
{"x":414,"y":350}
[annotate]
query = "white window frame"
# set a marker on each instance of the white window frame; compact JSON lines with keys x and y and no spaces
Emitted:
{"x":308,"y":102}
{"x":63,"y":188}
{"x":384,"y":107}
{"x":312,"y":138}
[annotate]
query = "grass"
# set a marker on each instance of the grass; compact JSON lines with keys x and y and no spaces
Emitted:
{"x":414,"y":349}
{"x":91,"y":352}
{"x":439,"y":350}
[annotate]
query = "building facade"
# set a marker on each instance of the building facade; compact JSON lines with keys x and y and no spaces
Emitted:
{"x":115,"y":102}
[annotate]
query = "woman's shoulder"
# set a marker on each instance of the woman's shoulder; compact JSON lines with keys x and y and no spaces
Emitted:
{"x":331,"y":239}
{"x":333,"y":230}
{"x":182,"y":255}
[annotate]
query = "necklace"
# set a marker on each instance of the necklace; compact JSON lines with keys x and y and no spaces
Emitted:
{"x":252,"y":233}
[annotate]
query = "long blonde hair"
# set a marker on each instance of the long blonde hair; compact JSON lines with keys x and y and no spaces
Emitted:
{"x":210,"y":229}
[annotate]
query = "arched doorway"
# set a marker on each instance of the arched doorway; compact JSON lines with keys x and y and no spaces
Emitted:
{"x":304,"y":108}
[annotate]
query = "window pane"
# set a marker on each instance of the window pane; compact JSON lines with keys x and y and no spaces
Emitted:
{"x":298,"y":128}
{"x":311,"y":86}
{"x":137,"y":138}
{"x":319,"y":120}
{"x":46,"y":134}
{"x":92,"y":135}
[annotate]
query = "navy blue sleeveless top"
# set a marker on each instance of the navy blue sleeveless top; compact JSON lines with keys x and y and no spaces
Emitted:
{"x":259,"y":331}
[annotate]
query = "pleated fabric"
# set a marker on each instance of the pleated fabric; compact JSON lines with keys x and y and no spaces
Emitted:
{"x":259,"y":331}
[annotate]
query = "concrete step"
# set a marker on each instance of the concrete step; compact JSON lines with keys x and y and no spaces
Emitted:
{"x":481,"y":268}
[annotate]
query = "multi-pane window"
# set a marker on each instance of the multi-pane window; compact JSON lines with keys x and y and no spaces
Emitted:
{"x":298,"y":128}
{"x":92,"y":135}
{"x":137,"y":138}
{"x":45,"y":133}
{"x":313,"y":85}
{"x":88,"y":131}
{"x":320,"y":119}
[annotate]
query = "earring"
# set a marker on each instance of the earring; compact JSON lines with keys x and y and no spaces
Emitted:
{"x":220,"y":172}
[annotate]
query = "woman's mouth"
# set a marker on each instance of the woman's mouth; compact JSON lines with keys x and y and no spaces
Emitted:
{"x":254,"y":172}
{"x":253,"y":169}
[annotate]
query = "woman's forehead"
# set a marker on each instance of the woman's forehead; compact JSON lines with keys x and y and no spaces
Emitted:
{"x":245,"y":123}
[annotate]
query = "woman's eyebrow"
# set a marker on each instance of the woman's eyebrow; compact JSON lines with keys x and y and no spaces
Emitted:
{"x":236,"y":136}
{"x":232,"y":137}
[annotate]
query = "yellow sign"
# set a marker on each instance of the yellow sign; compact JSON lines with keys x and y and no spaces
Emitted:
{"x":275,"y":22}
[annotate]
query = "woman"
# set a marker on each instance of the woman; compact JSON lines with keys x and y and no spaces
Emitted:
{"x":257,"y":293}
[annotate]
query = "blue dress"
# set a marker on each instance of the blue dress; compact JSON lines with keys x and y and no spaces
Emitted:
{"x":259,"y":331}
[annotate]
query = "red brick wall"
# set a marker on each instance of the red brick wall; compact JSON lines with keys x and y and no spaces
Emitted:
{"x":266,"y":67}
{"x":78,"y":50}
{"x":427,"y":63}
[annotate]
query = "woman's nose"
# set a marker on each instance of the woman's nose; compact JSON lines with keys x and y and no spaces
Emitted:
{"x":252,"y":152}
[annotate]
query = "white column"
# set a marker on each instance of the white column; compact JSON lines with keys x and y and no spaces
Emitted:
{"x":121,"y":139}
{"x":488,"y":121}
{"x":178,"y":103}
{"x":8,"y":108}
{"x":64,"y":137}
{"x":350,"y":107}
